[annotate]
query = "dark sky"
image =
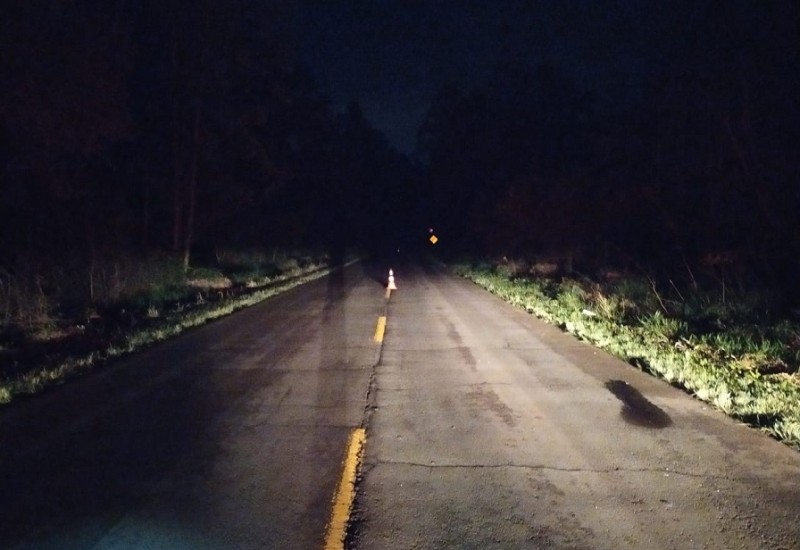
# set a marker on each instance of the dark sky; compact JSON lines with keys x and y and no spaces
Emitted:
{"x":392,"y":55}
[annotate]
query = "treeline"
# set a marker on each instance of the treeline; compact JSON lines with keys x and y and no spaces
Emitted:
{"x":688,"y":157}
{"x":178,"y":126}
{"x":132,"y":127}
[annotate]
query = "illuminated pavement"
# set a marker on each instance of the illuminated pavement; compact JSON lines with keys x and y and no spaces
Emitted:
{"x":491,"y":429}
{"x":231,"y":436}
{"x":485,"y":428}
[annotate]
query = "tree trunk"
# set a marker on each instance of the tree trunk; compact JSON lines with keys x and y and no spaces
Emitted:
{"x":146,"y":213}
{"x":192,"y":188}
{"x":177,"y":197}
{"x":177,"y":149}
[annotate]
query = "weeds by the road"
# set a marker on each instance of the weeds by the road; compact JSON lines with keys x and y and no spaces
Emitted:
{"x":732,"y":352}
{"x":42,"y":344}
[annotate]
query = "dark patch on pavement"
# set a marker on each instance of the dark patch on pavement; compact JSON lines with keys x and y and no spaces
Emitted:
{"x":465,"y":352}
{"x":636,"y":409}
{"x":453,"y":334}
{"x":469,"y":359}
{"x":486,"y":398}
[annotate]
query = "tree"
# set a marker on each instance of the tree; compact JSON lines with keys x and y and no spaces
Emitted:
{"x":65,"y":104}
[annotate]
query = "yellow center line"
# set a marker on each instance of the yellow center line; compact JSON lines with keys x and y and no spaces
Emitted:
{"x":380,"y":329}
{"x":345,"y":492}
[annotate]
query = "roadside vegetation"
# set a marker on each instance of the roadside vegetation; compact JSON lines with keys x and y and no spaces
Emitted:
{"x":737,"y":350}
{"x":60,"y":321}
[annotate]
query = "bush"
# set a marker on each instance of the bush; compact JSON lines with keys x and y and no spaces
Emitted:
{"x":24,"y":304}
{"x":610,"y":306}
{"x":638,"y":294}
{"x":207,"y":278}
{"x":660,"y":326}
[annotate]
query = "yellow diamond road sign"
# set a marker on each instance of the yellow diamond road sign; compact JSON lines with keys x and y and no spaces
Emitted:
{"x":434,"y":239}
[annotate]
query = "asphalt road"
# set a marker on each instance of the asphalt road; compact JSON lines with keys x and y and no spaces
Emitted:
{"x":490,"y":429}
{"x":485,"y":429}
{"x":230,"y":436}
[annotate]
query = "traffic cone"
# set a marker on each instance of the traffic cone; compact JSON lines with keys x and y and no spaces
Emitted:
{"x":391,"y":285}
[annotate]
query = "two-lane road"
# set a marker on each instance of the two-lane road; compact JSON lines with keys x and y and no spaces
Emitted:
{"x":485,"y":429}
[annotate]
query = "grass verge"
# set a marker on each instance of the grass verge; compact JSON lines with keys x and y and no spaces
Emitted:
{"x":731,"y":357}
{"x":160,"y":323}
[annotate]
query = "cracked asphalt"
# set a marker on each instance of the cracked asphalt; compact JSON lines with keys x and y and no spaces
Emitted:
{"x":490,"y":429}
{"x":486,"y":428}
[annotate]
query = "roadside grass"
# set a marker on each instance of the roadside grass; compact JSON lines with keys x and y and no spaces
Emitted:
{"x":153,"y":300}
{"x":733,"y":352}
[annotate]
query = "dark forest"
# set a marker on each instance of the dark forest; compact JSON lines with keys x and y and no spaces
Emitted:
{"x":129,"y":129}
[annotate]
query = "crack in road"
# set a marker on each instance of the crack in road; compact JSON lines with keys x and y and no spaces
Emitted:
{"x":371,"y":396}
{"x":540,"y":467}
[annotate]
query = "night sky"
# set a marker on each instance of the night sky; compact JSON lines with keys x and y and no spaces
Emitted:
{"x":392,"y":56}
{"x":653,"y":130}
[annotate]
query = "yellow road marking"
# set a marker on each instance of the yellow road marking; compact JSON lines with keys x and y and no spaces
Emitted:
{"x":345,"y":492}
{"x":380,"y":329}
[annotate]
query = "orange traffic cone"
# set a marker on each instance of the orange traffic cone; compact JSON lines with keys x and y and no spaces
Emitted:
{"x":391,"y":285}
